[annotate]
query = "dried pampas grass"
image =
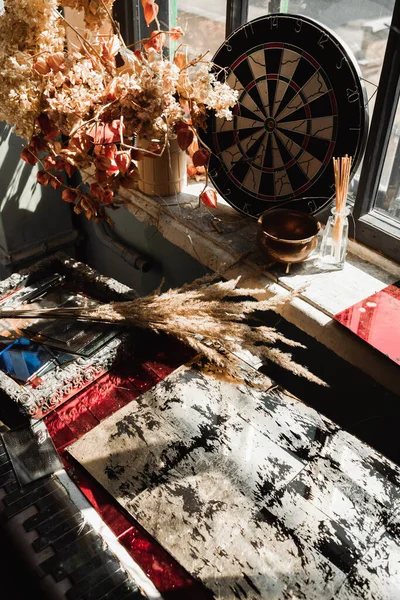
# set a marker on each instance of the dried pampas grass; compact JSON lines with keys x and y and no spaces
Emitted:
{"x":207,"y":315}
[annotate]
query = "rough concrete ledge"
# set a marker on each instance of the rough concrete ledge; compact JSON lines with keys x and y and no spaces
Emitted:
{"x":225,"y":242}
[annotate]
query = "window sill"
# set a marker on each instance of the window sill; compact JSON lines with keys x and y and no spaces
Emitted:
{"x":225,"y":242}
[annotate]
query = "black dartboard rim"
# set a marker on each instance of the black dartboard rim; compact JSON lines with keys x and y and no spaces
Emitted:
{"x":254,"y":176}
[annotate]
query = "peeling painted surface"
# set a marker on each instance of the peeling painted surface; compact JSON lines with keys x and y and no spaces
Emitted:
{"x":256,"y":494}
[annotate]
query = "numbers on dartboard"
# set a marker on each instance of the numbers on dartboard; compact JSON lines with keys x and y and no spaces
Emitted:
{"x":227,"y":192}
{"x":312,"y":206}
{"x":322,"y":40}
{"x":352,"y":95}
{"x":247,"y":208}
{"x":340,"y":63}
{"x":228,"y":47}
{"x":299,"y":25}
{"x":274,"y":22}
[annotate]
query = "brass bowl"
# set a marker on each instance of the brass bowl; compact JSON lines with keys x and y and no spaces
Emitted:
{"x":287,"y":236}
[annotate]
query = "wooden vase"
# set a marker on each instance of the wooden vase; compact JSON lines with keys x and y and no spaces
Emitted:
{"x":164,"y":175}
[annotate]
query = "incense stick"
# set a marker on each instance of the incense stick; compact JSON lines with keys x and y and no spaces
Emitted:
{"x":341,"y":168}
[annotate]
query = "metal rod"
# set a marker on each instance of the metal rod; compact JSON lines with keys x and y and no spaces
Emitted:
{"x":236,"y":14}
{"x":127,"y":16}
{"x":38,"y":249}
{"x":131,"y":256}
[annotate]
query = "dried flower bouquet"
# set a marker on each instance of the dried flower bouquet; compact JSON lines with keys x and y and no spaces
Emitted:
{"x":208,"y":315}
{"x":78,"y":109}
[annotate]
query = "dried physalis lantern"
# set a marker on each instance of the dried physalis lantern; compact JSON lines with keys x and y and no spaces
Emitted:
{"x":200,"y":157}
{"x":69,"y":195}
{"x":209,"y":198}
{"x":184,"y":135}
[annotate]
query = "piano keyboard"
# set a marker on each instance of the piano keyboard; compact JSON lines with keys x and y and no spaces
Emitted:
{"x":64,"y":542}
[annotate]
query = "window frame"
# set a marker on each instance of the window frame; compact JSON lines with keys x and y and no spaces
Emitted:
{"x":373,"y":227}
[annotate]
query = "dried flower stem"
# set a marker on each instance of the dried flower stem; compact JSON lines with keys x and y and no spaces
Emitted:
{"x":204,"y":314}
{"x":85,"y":43}
{"x":114,"y":24}
{"x":95,"y":118}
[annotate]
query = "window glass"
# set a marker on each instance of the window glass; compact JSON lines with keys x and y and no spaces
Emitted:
{"x":203,"y":24}
{"x":388,"y":197}
{"x":362,"y":24}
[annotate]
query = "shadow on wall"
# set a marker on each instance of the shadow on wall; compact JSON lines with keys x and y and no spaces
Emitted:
{"x":168,"y":261}
{"x":30,"y":214}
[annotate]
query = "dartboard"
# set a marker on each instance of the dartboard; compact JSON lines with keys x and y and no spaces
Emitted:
{"x":300,"y":102}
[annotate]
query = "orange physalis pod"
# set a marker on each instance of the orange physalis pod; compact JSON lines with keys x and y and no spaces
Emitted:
{"x":209,"y":198}
{"x":102,"y":163}
{"x":43,"y":177}
{"x":200,"y":157}
{"x":56,"y":61}
{"x":96,"y":191}
{"x":82,"y":142}
{"x":176,"y":33}
{"x":49,"y":162}
{"x":185,"y":138}
{"x":180,"y":60}
{"x":28,"y":157}
{"x":156,"y":41}
{"x":69,"y":196}
{"x":109,"y":150}
{"x":101,"y":176}
{"x":108,"y":197}
{"x":55,"y":182}
{"x":191,"y":170}
{"x":37,"y":145}
{"x":150,"y":11}
{"x":123,"y":160}
{"x":40,"y":65}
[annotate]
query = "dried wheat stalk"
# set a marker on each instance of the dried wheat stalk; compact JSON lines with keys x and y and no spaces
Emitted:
{"x":203,"y":314}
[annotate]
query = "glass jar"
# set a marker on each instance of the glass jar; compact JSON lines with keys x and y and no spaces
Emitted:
{"x":334,"y":240}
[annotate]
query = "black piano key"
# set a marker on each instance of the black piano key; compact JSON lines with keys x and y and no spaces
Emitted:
{"x":46,"y":508}
{"x":4,"y":459}
{"x":31,"y":498}
{"x":23,"y":491}
{"x":78,"y":565}
{"x":82,"y":572}
{"x":58,"y":530}
{"x":5,"y":467}
{"x":92,"y":579}
{"x":56,"y":520}
{"x":85,"y":546}
{"x":12,"y":484}
{"x":105,"y":586}
{"x":7,"y":479}
{"x":128,"y":590}
{"x":69,"y":537}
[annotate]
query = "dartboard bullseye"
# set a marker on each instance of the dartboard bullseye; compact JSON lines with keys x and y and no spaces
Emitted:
{"x":300,"y":102}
